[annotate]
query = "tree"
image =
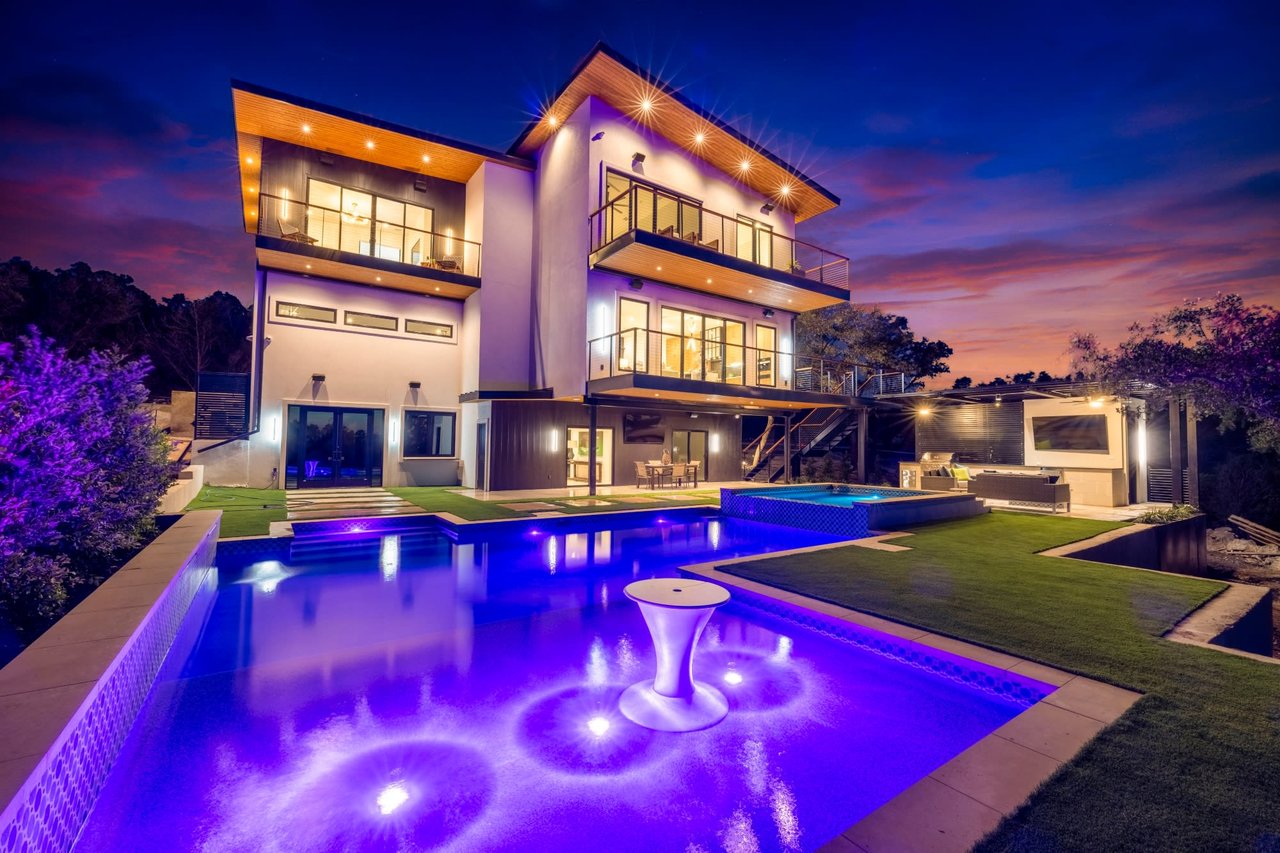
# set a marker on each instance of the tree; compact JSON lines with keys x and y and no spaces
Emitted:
{"x":1223,"y":356}
{"x":962,"y":383}
{"x":870,"y":336}
{"x":82,"y":469}
{"x":196,"y":335}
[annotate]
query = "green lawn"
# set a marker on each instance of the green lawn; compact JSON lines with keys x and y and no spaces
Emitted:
{"x":245,"y":512}
{"x":441,"y":499}
{"x":1195,"y":765}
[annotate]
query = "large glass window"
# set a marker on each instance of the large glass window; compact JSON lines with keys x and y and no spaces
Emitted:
{"x":633,"y":336}
{"x":429,"y":433}
{"x":649,"y":209}
{"x":766,"y":355}
{"x":351,"y":220}
{"x":700,"y":346}
{"x":755,"y":241}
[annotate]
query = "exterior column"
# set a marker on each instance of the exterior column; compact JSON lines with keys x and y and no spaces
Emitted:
{"x":1175,"y":451}
{"x":786,"y":449}
{"x":1141,"y":494}
{"x":591,"y":448}
{"x":864,"y":419}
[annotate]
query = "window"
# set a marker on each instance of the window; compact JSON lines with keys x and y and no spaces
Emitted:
{"x":698,"y":346}
{"x":371,"y":321}
{"x":649,"y":209}
{"x":755,"y":241}
{"x":633,"y":337}
{"x":347,"y":219}
{"x":295,"y":311}
{"x":429,"y":433}
{"x":426,"y":327}
{"x":766,"y":354}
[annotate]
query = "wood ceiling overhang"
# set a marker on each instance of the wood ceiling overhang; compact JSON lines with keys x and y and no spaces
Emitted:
{"x":264,"y":114}
{"x":624,"y":86}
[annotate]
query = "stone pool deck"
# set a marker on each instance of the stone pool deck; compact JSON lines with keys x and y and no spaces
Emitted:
{"x":962,"y":801}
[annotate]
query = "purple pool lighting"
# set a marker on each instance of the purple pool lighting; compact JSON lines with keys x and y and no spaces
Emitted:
{"x":460,"y":688}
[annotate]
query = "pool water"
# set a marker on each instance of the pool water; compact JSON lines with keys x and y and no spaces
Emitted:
{"x":839,"y":495}
{"x":430,"y":689}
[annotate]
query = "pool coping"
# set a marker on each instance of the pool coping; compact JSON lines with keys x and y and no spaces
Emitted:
{"x":966,"y":798}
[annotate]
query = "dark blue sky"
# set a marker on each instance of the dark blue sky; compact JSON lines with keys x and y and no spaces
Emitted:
{"x":1030,"y":167}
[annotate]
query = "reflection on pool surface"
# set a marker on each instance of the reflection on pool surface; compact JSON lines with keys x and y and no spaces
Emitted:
{"x":422,"y":689}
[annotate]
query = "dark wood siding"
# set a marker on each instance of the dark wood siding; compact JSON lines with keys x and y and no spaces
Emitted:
{"x":522,"y":454}
{"x":977,"y":433}
{"x":287,"y":166}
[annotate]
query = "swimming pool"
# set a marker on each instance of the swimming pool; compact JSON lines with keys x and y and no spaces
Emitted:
{"x":852,"y":511}
{"x":438,"y":687}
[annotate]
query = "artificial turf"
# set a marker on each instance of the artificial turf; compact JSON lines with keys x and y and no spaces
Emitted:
{"x":1194,"y":766}
{"x":442,"y":499}
{"x":245,"y":512}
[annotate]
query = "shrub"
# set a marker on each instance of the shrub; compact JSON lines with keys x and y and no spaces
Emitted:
{"x":1164,"y":515}
{"x":82,"y":468}
{"x":1245,"y":484}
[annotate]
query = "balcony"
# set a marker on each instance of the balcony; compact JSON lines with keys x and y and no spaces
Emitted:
{"x":356,"y":245}
{"x":658,"y":236}
{"x":654,"y":364}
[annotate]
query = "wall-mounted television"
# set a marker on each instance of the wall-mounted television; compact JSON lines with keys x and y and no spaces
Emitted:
{"x":642,"y":428}
{"x":1071,"y":433}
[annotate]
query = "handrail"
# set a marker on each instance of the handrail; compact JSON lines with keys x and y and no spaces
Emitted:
{"x":329,"y":228}
{"x":645,"y":208}
{"x":709,"y":359}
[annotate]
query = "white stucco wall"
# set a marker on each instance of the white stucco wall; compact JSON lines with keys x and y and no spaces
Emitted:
{"x":362,"y":369}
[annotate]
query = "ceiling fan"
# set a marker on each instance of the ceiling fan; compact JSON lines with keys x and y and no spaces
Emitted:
{"x":354,"y":215}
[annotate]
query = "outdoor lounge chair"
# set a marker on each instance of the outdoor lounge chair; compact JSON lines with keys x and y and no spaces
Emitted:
{"x":289,"y":232}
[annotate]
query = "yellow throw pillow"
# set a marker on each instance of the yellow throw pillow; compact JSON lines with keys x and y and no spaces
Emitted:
{"x":961,"y":473}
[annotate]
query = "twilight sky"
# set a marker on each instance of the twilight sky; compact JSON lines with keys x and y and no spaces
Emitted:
{"x":1009,"y":172}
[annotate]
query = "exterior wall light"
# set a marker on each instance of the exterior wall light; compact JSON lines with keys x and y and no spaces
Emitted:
{"x":275,"y":429}
{"x":597,"y":136}
{"x":317,"y":377}
{"x":415,"y":385}
{"x":768,"y":208}
{"x":636,"y":284}
{"x":924,"y":411}
{"x":768,"y":312}
{"x":637,"y":157}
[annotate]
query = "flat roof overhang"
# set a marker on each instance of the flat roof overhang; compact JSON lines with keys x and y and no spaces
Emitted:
{"x":640,"y":388}
{"x":622,"y":84}
{"x":262,"y":113}
{"x":641,"y":253}
{"x":288,"y":256}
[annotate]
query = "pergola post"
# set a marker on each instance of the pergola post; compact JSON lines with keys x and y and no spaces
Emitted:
{"x":864,"y":418}
{"x":1175,"y":452}
{"x":786,"y":449}
{"x":1193,"y":458}
{"x":591,"y":449}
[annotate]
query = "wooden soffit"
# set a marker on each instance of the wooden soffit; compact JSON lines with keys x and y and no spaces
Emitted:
{"x":627,"y":88}
{"x":262,"y":113}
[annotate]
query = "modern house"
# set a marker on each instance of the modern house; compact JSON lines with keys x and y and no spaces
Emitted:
{"x":431,"y":312}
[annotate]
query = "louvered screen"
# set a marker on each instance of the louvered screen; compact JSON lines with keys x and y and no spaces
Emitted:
{"x":222,"y":405}
{"x":975,"y":433}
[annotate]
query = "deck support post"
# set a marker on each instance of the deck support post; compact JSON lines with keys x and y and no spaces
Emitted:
{"x":864,"y":418}
{"x":591,"y":451}
{"x":786,"y":449}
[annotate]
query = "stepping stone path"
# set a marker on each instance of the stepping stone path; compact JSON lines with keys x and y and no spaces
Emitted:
{"x":317,"y":504}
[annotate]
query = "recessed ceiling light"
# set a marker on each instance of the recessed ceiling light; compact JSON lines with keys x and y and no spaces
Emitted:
{"x":708,"y":281}
{"x":699,"y":138}
{"x":749,"y":290}
{"x":252,"y":190}
{"x":308,"y":266}
{"x":659,"y":269}
{"x":646,"y":104}
{"x":745,"y":165}
{"x":784,"y":190}
{"x":249,"y":160}
{"x":306,"y":128}
{"x":377,"y":278}
{"x":369,"y":144}
{"x":426,"y":158}
{"x":552,"y":120}
{"x":437,"y":290}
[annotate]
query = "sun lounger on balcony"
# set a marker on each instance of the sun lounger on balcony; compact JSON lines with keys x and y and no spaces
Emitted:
{"x":288,"y":232}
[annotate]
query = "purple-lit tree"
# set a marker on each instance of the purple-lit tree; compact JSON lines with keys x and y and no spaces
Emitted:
{"x":82,"y":469}
{"x":1223,"y":356}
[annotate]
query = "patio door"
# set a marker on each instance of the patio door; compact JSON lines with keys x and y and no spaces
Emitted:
{"x":689,"y":445}
{"x":334,"y":448}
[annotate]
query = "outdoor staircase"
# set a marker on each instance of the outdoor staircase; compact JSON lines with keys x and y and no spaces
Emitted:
{"x":765,"y":458}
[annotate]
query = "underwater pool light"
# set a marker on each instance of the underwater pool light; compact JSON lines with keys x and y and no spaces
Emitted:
{"x":598,"y":726}
{"x":732,"y":677}
{"x":392,"y":797}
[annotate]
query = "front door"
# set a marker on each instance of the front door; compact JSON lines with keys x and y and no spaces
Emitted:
{"x":336,"y":448}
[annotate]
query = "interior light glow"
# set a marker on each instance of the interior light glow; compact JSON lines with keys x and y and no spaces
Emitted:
{"x":598,"y":726}
{"x":732,"y":677}
{"x":392,"y":797}
{"x":1096,"y":403}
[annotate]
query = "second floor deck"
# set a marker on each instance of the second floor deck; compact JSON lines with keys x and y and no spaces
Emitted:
{"x":651,"y":234}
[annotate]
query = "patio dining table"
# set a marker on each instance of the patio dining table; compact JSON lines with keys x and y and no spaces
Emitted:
{"x":658,"y":473}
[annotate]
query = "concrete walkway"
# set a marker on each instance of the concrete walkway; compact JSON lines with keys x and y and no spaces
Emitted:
{"x":316,"y":504}
{"x":569,"y":492}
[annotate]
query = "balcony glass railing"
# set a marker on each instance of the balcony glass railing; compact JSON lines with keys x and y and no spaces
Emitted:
{"x":351,"y":232}
{"x":643,"y":208}
{"x":706,"y":360}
